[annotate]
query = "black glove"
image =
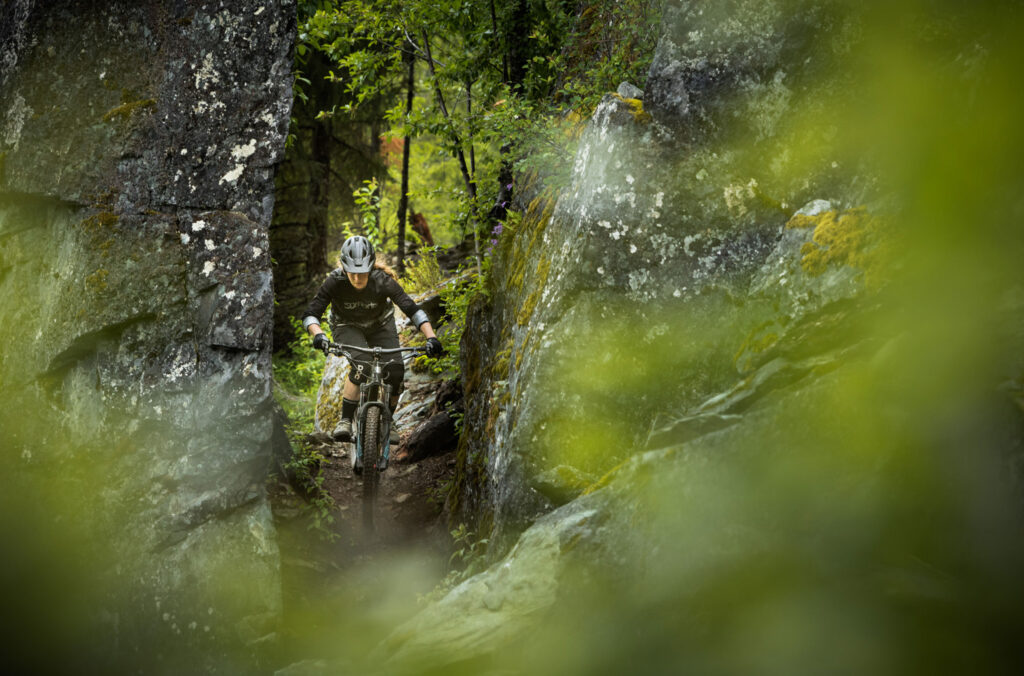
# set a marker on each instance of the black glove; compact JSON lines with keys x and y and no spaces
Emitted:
{"x":320,"y":342}
{"x":434,"y":347}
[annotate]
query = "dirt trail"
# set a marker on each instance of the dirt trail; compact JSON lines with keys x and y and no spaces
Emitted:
{"x":339,"y":570}
{"x":408,"y":503}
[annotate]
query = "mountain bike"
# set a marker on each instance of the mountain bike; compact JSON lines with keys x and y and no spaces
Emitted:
{"x":371,"y":425}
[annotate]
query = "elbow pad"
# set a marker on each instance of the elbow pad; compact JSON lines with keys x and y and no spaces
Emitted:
{"x":419,"y":318}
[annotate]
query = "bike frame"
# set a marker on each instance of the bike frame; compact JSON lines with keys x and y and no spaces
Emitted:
{"x":374,"y":393}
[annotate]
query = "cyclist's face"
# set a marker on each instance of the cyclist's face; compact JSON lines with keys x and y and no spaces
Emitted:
{"x":358,"y":279}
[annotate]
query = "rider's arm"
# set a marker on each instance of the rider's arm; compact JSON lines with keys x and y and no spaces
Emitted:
{"x":315,"y":310}
{"x":413,"y":311}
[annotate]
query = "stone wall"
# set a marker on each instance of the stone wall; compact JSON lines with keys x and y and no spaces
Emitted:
{"x":137,"y":156}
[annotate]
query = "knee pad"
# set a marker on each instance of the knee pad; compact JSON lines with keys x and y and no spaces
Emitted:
{"x":355,"y":376}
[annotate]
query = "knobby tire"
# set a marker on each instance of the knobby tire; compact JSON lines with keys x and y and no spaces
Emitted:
{"x":371,"y":454}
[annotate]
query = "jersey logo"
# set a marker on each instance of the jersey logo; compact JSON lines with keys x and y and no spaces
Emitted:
{"x":369,"y":305}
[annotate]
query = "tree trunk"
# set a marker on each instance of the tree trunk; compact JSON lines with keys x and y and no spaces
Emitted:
{"x":518,"y":42}
{"x":514,"y":62}
{"x":459,"y":154}
{"x":504,"y":52}
{"x":320,"y":150}
{"x":469,"y":115}
{"x":381,"y":176}
{"x":409,"y":58}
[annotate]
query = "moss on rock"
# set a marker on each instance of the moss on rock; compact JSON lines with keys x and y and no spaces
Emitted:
{"x":100,"y":221}
{"x":127,"y":109}
{"x":853,"y":237}
{"x":636,"y":108}
{"x":530,"y":304}
{"x":97,"y":281}
{"x":757,"y":342}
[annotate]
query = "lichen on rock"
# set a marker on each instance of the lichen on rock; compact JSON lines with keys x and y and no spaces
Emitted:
{"x":150,"y":280}
{"x":853,"y":237}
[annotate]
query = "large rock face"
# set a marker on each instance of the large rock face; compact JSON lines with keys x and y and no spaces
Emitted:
{"x":642,"y":269}
{"x":727,"y":420}
{"x":136,"y":186}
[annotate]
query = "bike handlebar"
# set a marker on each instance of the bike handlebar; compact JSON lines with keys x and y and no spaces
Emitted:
{"x":339,"y":348}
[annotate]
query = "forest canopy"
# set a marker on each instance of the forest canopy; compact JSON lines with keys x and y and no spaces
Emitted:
{"x":474,"y":90}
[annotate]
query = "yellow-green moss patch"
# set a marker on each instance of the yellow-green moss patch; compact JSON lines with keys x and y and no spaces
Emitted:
{"x":530,"y":304}
{"x":604,"y":480}
{"x":501,"y":363}
{"x":534,"y":222}
{"x":853,"y":237}
{"x":636,"y":108}
{"x":757,"y":341}
{"x":103,"y":220}
{"x":576,"y":122}
{"x":126,"y":110}
{"x":640,"y":116}
{"x":97,"y":281}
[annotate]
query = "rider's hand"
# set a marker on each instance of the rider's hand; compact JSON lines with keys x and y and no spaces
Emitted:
{"x":320,"y":342}
{"x":434,"y":347}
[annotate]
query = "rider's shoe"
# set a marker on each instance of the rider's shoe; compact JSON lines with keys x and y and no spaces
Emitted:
{"x":343,"y":431}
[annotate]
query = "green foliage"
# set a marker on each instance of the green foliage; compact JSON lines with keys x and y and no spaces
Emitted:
{"x":424,"y":273}
{"x":307,"y":465}
{"x":297,"y":370}
{"x":436,"y":190}
{"x":465,"y":288}
{"x":367,"y":200}
{"x":457,"y":418}
{"x":363,"y":40}
{"x":468,"y":549}
{"x":498,"y":83}
{"x":467,"y":559}
{"x":297,"y":374}
{"x":611,"y":41}
{"x":543,"y":136}
{"x":468,"y":107}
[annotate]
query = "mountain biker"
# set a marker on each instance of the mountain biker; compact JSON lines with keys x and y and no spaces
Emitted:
{"x":361,"y":293}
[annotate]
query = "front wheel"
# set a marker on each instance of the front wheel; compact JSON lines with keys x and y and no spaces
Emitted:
{"x":371,"y":453}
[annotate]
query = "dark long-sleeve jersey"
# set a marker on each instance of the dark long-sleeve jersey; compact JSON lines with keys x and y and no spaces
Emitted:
{"x":365,"y":309}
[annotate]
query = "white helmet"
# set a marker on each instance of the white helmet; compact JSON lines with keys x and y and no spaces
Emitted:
{"x":357,"y":254}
